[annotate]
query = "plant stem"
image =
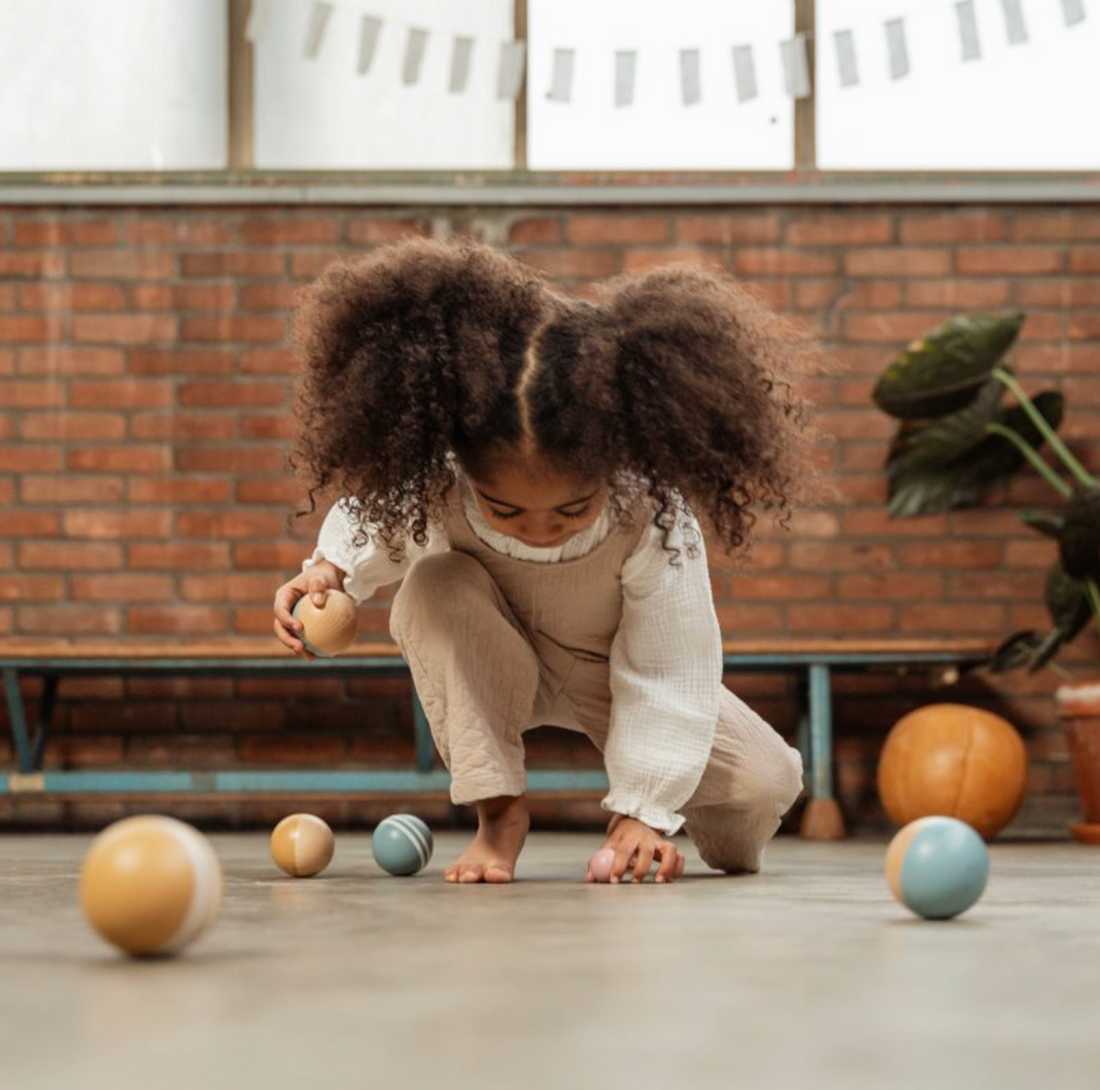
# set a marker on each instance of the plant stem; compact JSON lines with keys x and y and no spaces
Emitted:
{"x":1032,"y":455}
{"x":1045,"y":430}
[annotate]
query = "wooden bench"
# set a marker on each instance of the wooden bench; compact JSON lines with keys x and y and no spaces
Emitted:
{"x":812,"y":661}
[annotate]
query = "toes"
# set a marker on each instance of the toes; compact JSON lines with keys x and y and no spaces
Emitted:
{"x":498,"y":872}
{"x":473,"y":873}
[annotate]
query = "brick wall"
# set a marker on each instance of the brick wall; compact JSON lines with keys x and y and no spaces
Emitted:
{"x":144,"y":373}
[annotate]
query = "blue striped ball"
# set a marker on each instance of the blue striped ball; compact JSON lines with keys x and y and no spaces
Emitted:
{"x":402,"y":844}
{"x":937,"y":867}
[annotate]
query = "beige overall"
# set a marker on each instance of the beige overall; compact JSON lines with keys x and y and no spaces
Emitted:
{"x":498,"y":645}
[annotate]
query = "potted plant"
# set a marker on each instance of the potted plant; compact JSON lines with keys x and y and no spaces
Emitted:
{"x":955,"y":443}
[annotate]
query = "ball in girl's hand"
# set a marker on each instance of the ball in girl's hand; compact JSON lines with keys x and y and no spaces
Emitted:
{"x":601,"y":864}
{"x":937,"y":866}
{"x":327,"y":629}
{"x":401,"y":844}
{"x":302,"y":845}
{"x":150,"y":884}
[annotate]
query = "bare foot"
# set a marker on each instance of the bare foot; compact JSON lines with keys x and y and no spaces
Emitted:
{"x":502,"y":829}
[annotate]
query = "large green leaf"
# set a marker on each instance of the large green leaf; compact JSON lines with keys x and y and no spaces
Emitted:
{"x":1080,"y":537}
{"x":943,"y":372}
{"x":954,"y":462}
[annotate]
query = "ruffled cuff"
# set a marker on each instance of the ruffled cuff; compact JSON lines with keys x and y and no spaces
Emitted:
{"x":656,"y":817}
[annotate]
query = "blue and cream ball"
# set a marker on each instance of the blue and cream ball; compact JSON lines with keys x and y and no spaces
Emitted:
{"x":937,"y":867}
{"x":402,"y":844}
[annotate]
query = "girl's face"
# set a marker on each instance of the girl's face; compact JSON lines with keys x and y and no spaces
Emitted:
{"x":541,"y":510}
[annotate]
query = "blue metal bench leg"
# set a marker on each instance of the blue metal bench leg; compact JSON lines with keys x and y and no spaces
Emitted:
{"x":28,"y":747}
{"x":821,"y":819}
{"x":425,"y":747}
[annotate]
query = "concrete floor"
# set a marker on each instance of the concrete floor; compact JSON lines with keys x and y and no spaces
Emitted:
{"x":807,"y":974}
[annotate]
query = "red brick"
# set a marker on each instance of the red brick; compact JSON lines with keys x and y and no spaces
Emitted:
{"x":29,"y":459}
{"x":638,"y":259}
{"x":30,"y":524}
{"x":97,"y":297}
{"x":61,"y":360}
{"x":233,"y":263}
{"x":67,"y":620}
{"x":1084,"y":259}
{"x":128,"y":459}
{"x":1009,"y":260}
{"x":267,"y":361}
{"x":566,"y":262}
{"x":898,"y":327}
{"x":182,"y":426}
{"x":955,"y":292}
{"x":889,"y":586}
{"x":833,"y":229}
{"x":728,"y":229}
{"x":70,"y":489}
{"x":267,"y":426}
{"x":249,"y":328}
{"x":273,"y":554}
{"x":371,"y":231}
{"x":178,"y":490}
{"x":175,"y":619}
{"x":73,"y":753}
{"x":20,"y":587}
{"x":113,"y":525}
{"x":231,"y":715}
{"x":614,"y":227}
{"x":229,"y":587}
{"x":781,"y":262}
{"x":182,"y":296}
{"x":186,"y":228}
{"x":123,"y":588}
{"x":963,"y":225}
{"x":1056,"y":225}
{"x":125,"y":716}
{"x":230,"y":460}
{"x":307,"y":750}
{"x":273,"y":296}
{"x":533,"y":230}
{"x":965,"y":617}
{"x":280,"y":490}
{"x":898,"y":261}
{"x":124,"y":264}
{"x":31,"y":328}
{"x":252,"y":621}
{"x":955,"y":554}
{"x":125,"y":328}
{"x":178,"y":555}
{"x":67,"y":425}
{"x":180,"y":361}
{"x":811,"y":619}
{"x":49,"y":264}
{"x":139,"y":393}
{"x":32,"y":394}
{"x":229,"y":524}
{"x":224,"y":394}
{"x":73,"y":555}
{"x":45,"y":296}
{"x":284,"y":231}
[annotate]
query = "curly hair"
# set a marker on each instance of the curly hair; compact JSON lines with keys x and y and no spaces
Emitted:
{"x":676,"y":387}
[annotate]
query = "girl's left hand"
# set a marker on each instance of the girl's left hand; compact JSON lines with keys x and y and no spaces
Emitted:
{"x":635,"y":841}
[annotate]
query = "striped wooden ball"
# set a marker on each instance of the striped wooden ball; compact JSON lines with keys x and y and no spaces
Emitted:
{"x":302,"y":845}
{"x":150,"y":884}
{"x":402,"y":844}
{"x":937,"y":867}
{"x":330,"y":629}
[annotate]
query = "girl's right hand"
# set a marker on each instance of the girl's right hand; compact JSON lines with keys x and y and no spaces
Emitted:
{"x":315,"y":581}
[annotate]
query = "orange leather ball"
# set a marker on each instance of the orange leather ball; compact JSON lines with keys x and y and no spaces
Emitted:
{"x":955,"y":760}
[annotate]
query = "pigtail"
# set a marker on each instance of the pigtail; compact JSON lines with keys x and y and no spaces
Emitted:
{"x":403,"y":352}
{"x":699,"y":382}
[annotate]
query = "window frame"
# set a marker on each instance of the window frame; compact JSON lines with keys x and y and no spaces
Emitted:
{"x":240,"y":183}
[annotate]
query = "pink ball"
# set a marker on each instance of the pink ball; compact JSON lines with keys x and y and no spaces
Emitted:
{"x":602,"y":863}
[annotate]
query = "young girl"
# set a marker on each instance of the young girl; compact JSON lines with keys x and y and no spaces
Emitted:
{"x":529,"y":466}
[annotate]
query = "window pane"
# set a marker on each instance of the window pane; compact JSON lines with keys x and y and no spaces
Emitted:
{"x":113,"y":84}
{"x":320,"y":113}
{"x":1026,"y":106}
{"x":658,"y":130}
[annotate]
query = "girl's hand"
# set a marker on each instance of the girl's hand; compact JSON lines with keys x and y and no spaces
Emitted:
{"x":315,"y":581}
{"x":634,"y":841}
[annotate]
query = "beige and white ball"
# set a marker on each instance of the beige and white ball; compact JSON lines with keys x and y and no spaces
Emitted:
{"x":150,"y":884}
{"x":331,"y":628}
{"x":302,"y":845}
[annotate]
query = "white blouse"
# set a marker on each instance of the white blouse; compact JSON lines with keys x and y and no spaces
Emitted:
{"x":666,"y":657}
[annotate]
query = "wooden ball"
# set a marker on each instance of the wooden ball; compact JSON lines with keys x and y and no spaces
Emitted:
{"x":150,"y":884}
{"x":953,"y":760}
{"x":302,"y":845}
{"x":328,"y":629}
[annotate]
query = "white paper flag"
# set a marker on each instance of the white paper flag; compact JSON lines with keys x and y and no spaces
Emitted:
{"x":369,"y":29}
{"x":796,"y":68}
{"x":1073,"y":12}
{"x":845,"y":43}
{"x":460,"y":63}
{"x":258,"y":14}
{"x":318,"y":19}
{"x":968,"y":30}
{"x":898,"y":51}
{"x":744,"y":72}
{"x":415,"y":45}
{"x":561,"y":81}
{"x":1014,"y":22}
{"x":510,"y":71}
{"x":625,"y":66}
{"x":690,"y":83}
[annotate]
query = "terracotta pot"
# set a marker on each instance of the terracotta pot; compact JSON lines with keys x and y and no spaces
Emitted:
{"x":1078,"y":705}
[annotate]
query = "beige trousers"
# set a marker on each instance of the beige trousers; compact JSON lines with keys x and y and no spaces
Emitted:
{"x":484,"y":680}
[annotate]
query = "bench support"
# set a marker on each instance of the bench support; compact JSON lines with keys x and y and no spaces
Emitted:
{"x":29,"y":747}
